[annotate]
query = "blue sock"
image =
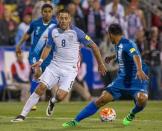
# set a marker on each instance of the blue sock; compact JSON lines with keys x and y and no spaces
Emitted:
{"x":33,"y":85}
{"x":89,"y":110}
{"x":137,"y":109}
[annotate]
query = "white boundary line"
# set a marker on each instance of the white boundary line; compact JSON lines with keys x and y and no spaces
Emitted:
{"x":71,"y":118}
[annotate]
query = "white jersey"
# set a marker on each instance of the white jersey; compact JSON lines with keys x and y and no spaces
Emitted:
{"x":67,"y":46}
{"x":63,"y":68}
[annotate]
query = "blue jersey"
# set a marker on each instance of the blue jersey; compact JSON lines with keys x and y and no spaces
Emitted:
{"x":126,"y":82}
{"x":39,"y":32}
{"x":125,"y":51}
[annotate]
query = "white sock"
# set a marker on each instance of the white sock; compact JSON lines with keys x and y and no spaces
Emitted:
{"x":33,"y":100}
{"x":54,"y":100}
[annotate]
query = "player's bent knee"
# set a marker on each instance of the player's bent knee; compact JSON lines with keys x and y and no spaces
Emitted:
{"x":142,"y":98}
{"x":60,"y":95}
{"x":40,"y":89}
{"x":104,"y":99}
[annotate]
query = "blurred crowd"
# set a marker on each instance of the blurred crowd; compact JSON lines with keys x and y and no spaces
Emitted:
{"x":140,"y":24}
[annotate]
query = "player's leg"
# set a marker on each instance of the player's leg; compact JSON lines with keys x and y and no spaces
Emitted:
{"x":47,"y":80}
{"x":33,"y":100}
{"x":59,"y":96}
{"x":111,"y":93}
{"x":36,"y":73}
{"x":34,"y":83}
{"x":140,"y":99}
{"x":93,"y":106}
{"x":67,"y":98}
{"x":90,"y":109}
{"x":65,"y":85}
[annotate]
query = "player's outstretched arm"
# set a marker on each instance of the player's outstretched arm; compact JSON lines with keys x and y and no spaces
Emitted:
{"x":140,"y":74}
{"x":101,"y":66}
{"x":86,"y":40}
{"x":44,"y":55}
{"x":23,"y":39}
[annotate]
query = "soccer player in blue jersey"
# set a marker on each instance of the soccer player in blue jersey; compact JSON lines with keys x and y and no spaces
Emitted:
{"x":131,"y":79}
{"x":63,"y":68}
{"x":38,"y":30}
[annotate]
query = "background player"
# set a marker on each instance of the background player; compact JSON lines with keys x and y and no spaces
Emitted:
{"x":39,"y":31}
{"x":64,"y":66}
{"x":131,"y":79}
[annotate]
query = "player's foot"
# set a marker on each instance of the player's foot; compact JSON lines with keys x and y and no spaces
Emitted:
{"x":50,"y":108}
{"x":34,"y":108}
{"x":128,"y":119}
{"x":19,"y":118}
{"x":72,"y":123}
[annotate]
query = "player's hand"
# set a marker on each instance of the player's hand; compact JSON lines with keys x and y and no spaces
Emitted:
{"x":102,"y":69}
{"x":37,"y":64}
{"x":141,"y":75}
{"x":37,"y":72}
{"x":18,"y":50}
{"x":108,"y":59}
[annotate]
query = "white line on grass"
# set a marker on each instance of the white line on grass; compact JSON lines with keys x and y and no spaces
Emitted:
{"x":71,"y":118}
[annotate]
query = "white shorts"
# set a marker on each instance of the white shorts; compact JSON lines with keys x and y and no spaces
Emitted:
{"x":54,"y":75}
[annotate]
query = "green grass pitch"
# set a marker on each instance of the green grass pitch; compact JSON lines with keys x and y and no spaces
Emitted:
{"x":148,"y":120}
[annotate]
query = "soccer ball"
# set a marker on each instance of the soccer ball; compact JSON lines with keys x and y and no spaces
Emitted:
{"x":107,"y":114}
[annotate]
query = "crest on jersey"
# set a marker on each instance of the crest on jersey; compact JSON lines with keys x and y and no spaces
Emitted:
{"x":34,"y":60}
{"x":70,"y":37}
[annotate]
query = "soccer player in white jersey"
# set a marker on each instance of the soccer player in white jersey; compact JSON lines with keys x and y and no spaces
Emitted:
{"x":63,"y":68}
{"x":38,"y":30}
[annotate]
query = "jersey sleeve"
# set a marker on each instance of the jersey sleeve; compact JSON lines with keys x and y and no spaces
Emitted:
{"x":31,"y":28}
{"x":131,"y":49}
{"x":50,"y":42}
{"x":83,"y":38}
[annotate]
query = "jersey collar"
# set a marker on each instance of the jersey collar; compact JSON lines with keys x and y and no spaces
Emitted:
{"x":120,"y":41}
{"x":46,"y":24}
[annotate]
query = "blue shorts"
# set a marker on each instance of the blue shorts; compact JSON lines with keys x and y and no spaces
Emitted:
{"x":119,"y":88}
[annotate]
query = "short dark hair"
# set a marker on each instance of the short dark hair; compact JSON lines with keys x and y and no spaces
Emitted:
{"x":47,"y":6}
{"x":63,"y":11}
{"x":115,"y":29}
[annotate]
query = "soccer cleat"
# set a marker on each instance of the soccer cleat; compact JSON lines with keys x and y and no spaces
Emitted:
{"x":19,"y":118}
{"x":128,"y":119}
{"x":50,"y":108}
{"x":72,"y":123}
{"x":34,"y":108}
